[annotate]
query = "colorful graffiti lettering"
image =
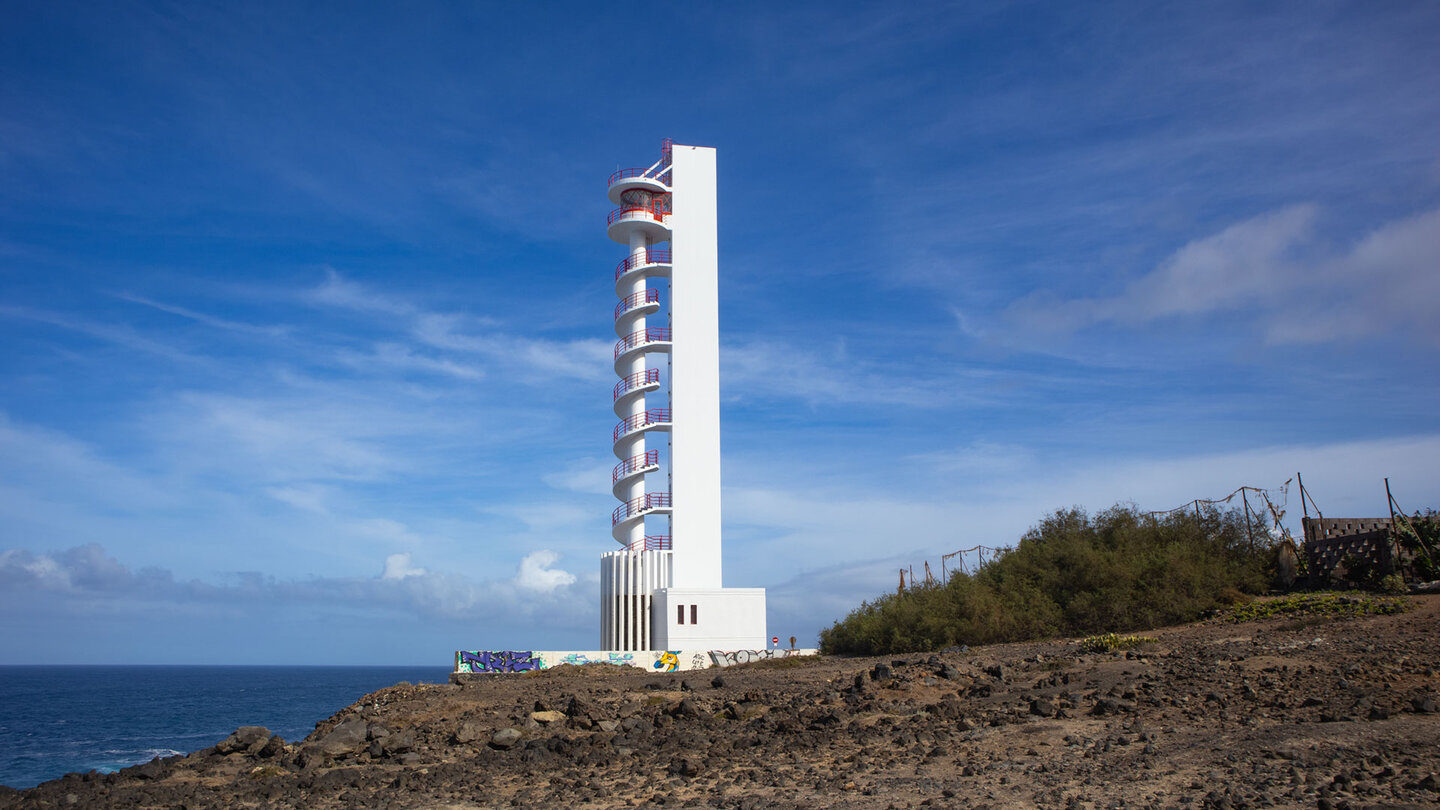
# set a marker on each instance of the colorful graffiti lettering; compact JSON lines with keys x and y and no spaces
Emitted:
{"x":668,"y":661}
{"x":615,"y":658}
{"x":497,"y":661}
{"x":729,"y":658}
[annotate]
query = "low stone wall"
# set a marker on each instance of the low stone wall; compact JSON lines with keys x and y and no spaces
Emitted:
{"x":491,"y":662}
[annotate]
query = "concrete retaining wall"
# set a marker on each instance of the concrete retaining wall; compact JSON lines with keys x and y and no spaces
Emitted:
{"x":1331,"y":542}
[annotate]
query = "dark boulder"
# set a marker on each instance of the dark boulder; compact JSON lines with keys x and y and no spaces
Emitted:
{"x":273,"y":747}
{"x":1107,"y":706}
{"x":345,"y":739}
{"x":468,"y":732}
{"x":399,"y":743}
{"x":505,"y":738}
{"x":246,"y":739}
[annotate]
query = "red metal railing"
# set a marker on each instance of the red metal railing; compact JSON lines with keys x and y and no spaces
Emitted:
{"x":649,"y":458}
{"x":651,"y":256}
{"x":638,"y":299}
{"x":624,"y":173}
{"x":666,"y":149}
{"x":656,"y":416}
{"x":657,"y":211}
{"x":640,"y":505}
{"x":639,"y":378}
{"x":652,"y":542}
{"x":640,"y":338}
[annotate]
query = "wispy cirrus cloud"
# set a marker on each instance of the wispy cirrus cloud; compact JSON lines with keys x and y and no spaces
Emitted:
{"x":769,"y":369}
{"x":207,"y":320}
{"x":1277,"y":269}
{"x":399,"y":357}
{"x":338,"y":292}
{"x":530,"y":358}
{"x":460,"y":344}
{"x":117,"y":334}
{"x":279,"y":438}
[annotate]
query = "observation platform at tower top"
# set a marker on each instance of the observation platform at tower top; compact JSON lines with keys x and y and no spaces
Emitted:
{"x":632,"y":182}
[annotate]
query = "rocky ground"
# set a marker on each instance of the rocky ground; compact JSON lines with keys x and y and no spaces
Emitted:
{"x":1279,"y":713}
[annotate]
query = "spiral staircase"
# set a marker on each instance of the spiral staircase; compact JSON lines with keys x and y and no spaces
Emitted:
{"x":640,"y":221}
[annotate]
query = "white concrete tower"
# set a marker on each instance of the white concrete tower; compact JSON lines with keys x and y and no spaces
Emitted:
{"x":655,"y":575}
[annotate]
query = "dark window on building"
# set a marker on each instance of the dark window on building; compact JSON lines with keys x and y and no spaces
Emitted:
{"x":679,"y":614}
{"x":693,"y":610}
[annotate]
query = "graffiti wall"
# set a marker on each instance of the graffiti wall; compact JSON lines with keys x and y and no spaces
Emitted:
{"x":619,"y":659}
{"x":729,"y":658}
{"x":500,"y":661}
{"x":496,"y":661}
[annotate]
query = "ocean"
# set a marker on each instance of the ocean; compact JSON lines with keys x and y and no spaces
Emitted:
{"x":56,"y":720}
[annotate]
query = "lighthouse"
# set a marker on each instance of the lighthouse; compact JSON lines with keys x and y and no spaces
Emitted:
{"x":662,"y":588}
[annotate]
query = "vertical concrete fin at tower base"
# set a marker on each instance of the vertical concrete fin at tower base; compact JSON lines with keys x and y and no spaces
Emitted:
{"x":695,"y":369}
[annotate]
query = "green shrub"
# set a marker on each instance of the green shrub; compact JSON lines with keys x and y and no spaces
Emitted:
{"x":1391,"y":584}
{"x":1075,"y":575}
{"x":1324,"y":605}
{"x":1420,"y":534}
{"x":1110,"y":642}
{"x":1233,"y":596}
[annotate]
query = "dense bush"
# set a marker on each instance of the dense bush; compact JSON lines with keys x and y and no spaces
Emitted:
{"x":1420,"y":535}
{"x":1072,"y":575}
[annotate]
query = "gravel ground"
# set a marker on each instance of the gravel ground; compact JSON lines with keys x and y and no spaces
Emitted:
{"x":1278,"y":713}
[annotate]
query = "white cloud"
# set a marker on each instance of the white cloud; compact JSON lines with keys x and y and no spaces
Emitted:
{"x":342,"y":294}
{"x":122,"y":336}
{"x":1277,"y":268}
{"x":581,"y":359}
{"x":309,"y":498}
{"x":1388,"y":282}
{"x":980,"y":459}
{"x":466,"y":336}
{"x":88,"y":578}
{"x":1250,"y":261}
{"x":281,"y":438}
{"x":588,"y":475}
{"x":390,"y":531}
{"x":397,"y":566}
{"x":396,"y":356}
{"x":772,"y":369}
{"x":18,"y":565}
{"x":537,"y":575}
{"x":208,"y":320}
{"x":43,"y":465}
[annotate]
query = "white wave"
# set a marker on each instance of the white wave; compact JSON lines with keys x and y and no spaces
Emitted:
{"x":113,"y":760}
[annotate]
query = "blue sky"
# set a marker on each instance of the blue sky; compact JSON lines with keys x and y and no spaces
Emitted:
{"x":305,"y":309}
